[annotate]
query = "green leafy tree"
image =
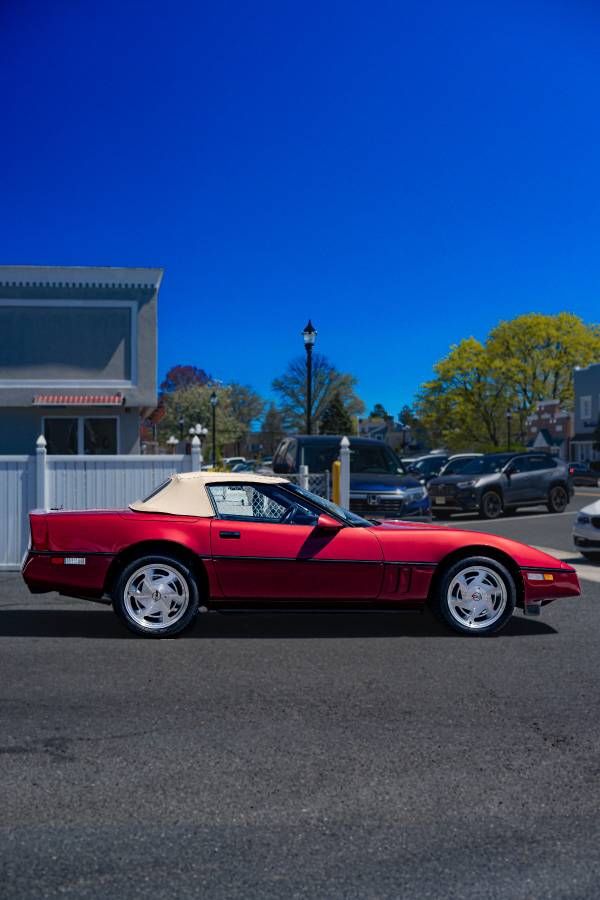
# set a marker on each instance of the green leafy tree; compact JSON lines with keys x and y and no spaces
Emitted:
{"x":523,"y":361}
{"x":192,"y":404}
{"x":326,"y":382}
{"x":379,"y":412}
{"x":336,"y":419}
{"x":246,"y":405}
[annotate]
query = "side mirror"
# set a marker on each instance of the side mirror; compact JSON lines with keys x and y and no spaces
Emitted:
{"x":328,"y":523}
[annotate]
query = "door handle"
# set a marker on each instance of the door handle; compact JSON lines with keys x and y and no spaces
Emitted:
{"x":230,"y":535}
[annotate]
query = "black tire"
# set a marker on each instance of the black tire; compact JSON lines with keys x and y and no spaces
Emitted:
{"x":558,"y":499}
{"x":491,"y":505}
{"x":183,"y":596}
{"x":591,"y":557}
{"x":441,"y":600}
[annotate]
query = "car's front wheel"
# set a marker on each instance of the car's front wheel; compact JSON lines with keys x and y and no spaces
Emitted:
{"x":557,"y":499}
{"x":491,"y":505}
{"x":156,"y":596}
{"x":476,"y":596}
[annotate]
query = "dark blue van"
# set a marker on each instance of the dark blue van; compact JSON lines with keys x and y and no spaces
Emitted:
{"x":379,"y":485}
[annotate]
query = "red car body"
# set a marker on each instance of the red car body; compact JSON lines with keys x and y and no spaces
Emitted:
{"x":394,"y":564}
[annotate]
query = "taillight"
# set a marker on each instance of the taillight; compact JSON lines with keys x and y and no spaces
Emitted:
{"x":39,"y":532}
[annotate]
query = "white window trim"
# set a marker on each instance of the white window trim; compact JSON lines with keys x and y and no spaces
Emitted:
{"x":80,"y":431}
{"x":81,"y":382}
{"x":585,"y":403}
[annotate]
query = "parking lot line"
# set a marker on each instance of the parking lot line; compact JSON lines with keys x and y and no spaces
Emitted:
{"x":584,"y":570}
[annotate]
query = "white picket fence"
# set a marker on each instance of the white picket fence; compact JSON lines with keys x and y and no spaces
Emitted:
{"x":46,"y":481}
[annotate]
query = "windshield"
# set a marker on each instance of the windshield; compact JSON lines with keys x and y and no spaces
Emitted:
{"x":486,"y":465}
{"x":329,"y":507}
{"x":374,"y":459}
{"x":431,"y":465}
{"x":456,"y":465}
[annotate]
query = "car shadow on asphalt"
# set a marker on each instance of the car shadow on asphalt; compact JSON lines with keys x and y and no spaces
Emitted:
{"x":102,"y":624}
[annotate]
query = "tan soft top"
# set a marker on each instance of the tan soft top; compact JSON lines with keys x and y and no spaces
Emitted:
{"x":185,"y":494}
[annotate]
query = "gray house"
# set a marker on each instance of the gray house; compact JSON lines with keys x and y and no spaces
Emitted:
{"x":77,"y":357}
{"x":587,"y":412}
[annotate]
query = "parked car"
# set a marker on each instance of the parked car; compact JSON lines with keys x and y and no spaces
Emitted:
{"x":248,"y":466}
{"x":231,"y":461}
{"x":379,"y":486}
{"x":502,"y":482}
{"x":582,"y":474}
{"x":586,"y":531}
{"x":424,"y":468}
{"x":204,"y":541}
{"x":457,"y":463}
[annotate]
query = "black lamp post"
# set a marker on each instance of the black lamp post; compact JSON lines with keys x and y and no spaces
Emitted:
{"x":310,"y":335}
{"x":213,"y":402}
{"x":508,"y":424}
{"x":181,"y":423}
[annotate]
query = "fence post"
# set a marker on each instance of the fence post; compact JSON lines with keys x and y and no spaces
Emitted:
{"x":196,"y":454}
{"x":303,"y":470}
{"x":41,"y":501}
{"x":335,"y":478}
{"x":345,"y":473}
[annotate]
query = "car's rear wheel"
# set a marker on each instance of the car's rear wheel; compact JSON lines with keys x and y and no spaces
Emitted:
{"x":476,"y":596}
{"x":557,"y":499}
{"x":156,"y":596}
{"x":490,"y":506}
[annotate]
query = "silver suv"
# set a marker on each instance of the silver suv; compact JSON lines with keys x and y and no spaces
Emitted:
{"x":501,"y":482}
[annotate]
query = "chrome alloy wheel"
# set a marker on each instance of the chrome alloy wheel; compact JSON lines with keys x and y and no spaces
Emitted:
{"x":156,"y":596}
{"x":477,"y":597}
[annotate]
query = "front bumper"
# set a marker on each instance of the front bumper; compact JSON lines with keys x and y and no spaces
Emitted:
{"x":389,"y":505}
{"x":586,"y":537}
{"x":449,"y":498}
{"x":542,"y":586}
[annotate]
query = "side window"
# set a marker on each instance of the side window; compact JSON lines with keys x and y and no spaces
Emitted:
{"x":538,"y":463}
{"x":248,"y":501}
{"x":520,"y":464}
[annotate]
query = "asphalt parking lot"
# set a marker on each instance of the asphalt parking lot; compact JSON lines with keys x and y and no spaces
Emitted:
{"x":302,"y":755}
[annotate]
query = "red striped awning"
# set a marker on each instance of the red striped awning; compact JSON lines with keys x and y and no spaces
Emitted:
{"x":78,"y":400}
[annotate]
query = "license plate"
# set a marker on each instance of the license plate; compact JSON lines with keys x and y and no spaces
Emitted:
{"x":440,"y":500}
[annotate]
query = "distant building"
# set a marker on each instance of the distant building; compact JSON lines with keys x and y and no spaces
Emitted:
{"x":77,"y":357}
{"x":550,"y":428}
{"x":586,"y":383}
{"x":395,"y":434}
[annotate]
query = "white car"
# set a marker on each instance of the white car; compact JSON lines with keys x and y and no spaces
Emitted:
{"x":586,"y":531}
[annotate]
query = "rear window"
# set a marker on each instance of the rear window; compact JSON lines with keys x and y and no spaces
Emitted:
{"x":156,"y":490}
{"x":372,"y":459}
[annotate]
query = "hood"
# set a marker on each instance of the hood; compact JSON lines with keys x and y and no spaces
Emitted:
{"x":454,"y":479}
{"x":375,"y":483}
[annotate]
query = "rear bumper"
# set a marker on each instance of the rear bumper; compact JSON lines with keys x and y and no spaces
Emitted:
{"x":47,"y":571}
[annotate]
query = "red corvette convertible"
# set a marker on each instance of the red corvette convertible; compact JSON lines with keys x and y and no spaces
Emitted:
{"x":221,"y":541}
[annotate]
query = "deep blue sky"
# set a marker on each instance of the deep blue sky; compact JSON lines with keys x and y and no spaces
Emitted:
{"x":404,"y":173}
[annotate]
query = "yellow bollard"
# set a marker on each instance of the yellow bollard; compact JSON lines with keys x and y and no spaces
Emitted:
{"x":335,"y":481}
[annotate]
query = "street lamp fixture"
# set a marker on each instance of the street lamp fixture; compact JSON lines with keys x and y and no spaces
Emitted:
{"x":310,"y":335}
{"x":213,"y":402}
{"x":172,"y":442}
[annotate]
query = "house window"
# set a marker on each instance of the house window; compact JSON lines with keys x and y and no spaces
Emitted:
{"x":61,"y":435}
{"x":585,"y":407}
{"x":100,"y":435}
{"x":80,"y":434}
